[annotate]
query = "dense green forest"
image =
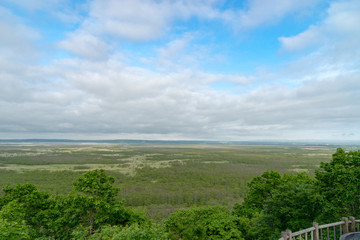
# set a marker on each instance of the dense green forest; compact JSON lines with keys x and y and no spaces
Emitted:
{"x":273,"y":202}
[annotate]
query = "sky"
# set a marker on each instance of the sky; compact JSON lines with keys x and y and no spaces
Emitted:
{"x":236,"y":70}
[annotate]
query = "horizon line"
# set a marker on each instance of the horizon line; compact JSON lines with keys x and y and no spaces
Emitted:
{"x":189,"y":141}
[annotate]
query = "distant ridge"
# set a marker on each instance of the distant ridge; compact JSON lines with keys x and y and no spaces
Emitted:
{"x":190,"y":142}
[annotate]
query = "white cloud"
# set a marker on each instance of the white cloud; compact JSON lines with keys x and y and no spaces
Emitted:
{"x":110,"y":97}
{"x":86,"y":45}
{"x":143,"y":20}
{"x":64,"y":10}
{"x":17,"y":40}
{"x":96,"y":93}
{"x":332,"y":53}
{"x":176,"y":55}
{"x":173,"y":48}
{"x":259,"y":12}
{"x":18,"y":53}
{"x":147,"y":20}
{"x":341,"y":23}
{"x":303,"y":40}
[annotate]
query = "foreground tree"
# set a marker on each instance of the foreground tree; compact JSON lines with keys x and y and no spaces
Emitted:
{"x":32,"y":202}
{"x":12,"y":223}
{"x":99,"y":196}
{"x":294,"y":204}
{"x":97,"y":200}
{"x":28,"y":213}
{"x":339,"y":183}
{"x":203,"y":223}
{"x":275,"y":203}
{"x":260,"y":189}
{"x":135,"y":231}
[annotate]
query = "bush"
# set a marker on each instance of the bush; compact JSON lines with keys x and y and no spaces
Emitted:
{"x":135,"y":231}
{"x":203,"y":223}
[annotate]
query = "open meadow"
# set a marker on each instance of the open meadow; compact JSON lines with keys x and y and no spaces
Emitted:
{"x":157,"y":178}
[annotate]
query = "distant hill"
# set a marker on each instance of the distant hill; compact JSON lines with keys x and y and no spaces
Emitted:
{"x":179,"y":142}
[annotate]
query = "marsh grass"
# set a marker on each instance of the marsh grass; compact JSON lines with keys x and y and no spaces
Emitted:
{"x":158,"y":178}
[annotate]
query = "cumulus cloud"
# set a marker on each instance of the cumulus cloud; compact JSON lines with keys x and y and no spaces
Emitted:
{"x":331,"y":45}
{"x":259,"y":12}
{"x":110,"y":97}
{"x":86,"y":45}
{"x":18,"y":42}
{"x":341,"y":23}
{"x":173,"y":48}
{"x":18,"y":53}
{"x":137,"y":20}
{"x":64,"y":10}
{"x":143,"y":20}
{"x":98,"y":94}
{"x":303,"y":40}
{"x":177,"y":54}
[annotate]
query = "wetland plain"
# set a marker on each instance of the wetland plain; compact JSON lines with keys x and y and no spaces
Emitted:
{"x":157,"y":178}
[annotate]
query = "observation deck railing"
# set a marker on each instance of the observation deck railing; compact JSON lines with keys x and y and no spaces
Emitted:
{"x":324,"y":232}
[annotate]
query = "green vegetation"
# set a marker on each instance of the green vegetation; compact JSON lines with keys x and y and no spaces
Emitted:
{"x":275,"y":203}
{"x":339,"y":184}
{"x":158,"y":179}
{"x":29,"y":213}
{"x":187,"y":192}
{"x":214,"y":222}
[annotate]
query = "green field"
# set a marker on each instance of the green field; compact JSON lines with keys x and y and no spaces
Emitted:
{"x":157,"y":178}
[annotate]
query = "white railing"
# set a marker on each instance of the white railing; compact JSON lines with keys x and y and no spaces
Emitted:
{"x":324,"y":232}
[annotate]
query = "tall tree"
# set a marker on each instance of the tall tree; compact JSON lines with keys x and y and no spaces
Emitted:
{"x":33,"y":202}
{"x":203,"y":223}
{"x":12,"y":223}
{"x":99,"y":201}
{"x":294,"y":204}
{"x":260,"y":189}
{"x":339,"y":183}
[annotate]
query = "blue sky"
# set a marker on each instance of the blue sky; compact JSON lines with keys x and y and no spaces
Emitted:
{"x":180,"y":69}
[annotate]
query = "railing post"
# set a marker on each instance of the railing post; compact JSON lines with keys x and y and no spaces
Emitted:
{"x":284,"y":235}
{"x":316,"y":231}
{"x":352,"y":224}
{"x":288,"y":232}
{"x":346,"y":225}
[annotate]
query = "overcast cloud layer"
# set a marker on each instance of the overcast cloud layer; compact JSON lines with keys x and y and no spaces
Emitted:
{"x":180,"y":69}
